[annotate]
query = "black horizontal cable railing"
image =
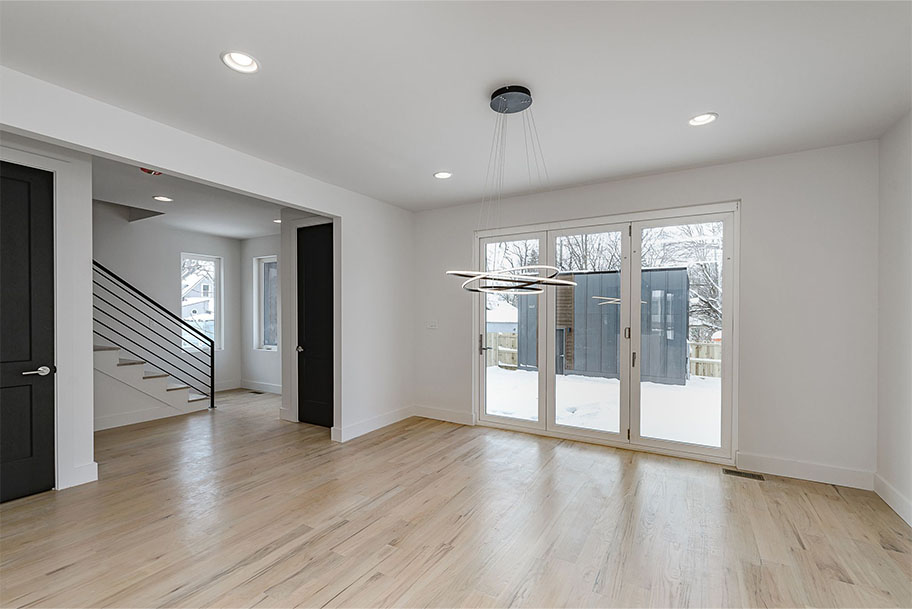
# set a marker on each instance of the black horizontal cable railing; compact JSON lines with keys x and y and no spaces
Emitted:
{"x":130,"y":320}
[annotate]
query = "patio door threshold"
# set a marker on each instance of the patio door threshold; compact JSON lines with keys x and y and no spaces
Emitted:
{"x":640,"y":448}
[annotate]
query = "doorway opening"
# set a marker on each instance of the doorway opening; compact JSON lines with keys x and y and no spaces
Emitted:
{"x":190,"y":306}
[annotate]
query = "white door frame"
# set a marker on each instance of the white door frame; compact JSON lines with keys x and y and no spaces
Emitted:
{"x":74,"y":406}
{"x":672,"y":215}
{"x":288,"y":303}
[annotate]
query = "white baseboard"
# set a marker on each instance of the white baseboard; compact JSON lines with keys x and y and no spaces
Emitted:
{"x":350,"y":432}
{"x":901,"y":504}
{"x":226,"y":385}
{"x":815,"y":472}
{"x":258,"y":386}
{"x":443,"y":414}
{"x":287,"y":414}
{"x":141,"y":416}
{"x":77,"y":475}
{"x":344,"y":434}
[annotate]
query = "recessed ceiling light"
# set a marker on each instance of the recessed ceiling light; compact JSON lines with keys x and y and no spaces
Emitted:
{"x":703,"y":119}
{"x":277,"y":221}
{"x":163,"y":198}
{"x":443,"y":175}
{"x":240,"y":62}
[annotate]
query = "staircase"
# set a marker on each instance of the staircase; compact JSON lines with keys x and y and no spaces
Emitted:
{"x":149,"y":363}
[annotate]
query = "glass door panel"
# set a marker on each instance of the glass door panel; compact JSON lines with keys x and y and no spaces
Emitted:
{"x":679,"y":394}
{"x":512,"y":384}
{"x":589,"y":352}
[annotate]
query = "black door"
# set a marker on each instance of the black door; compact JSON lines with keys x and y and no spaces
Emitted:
{"x":315,"y":325}
{"x":26,"y":331}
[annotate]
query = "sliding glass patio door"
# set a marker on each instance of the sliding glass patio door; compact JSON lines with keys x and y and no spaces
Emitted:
{"x":638,"y":352}
{"x":588,"y":352}
{"x":509,"y":345}
{"x":681,"y":383}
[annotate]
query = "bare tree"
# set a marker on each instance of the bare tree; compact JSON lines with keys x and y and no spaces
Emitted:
{"x":204,"y":269}
{"x":698,"y":247}
{"x":589,"y":252}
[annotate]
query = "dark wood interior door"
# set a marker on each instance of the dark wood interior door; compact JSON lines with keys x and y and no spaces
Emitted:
{"x":26,"y":331}
{"x":315,"y":325}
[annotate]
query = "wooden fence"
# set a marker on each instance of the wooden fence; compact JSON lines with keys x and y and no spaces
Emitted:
{"x":503,"y":351}
{"x":705,"y":359}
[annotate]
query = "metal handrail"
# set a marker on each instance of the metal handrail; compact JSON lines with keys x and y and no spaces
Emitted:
{"x":159,"y":359}
{"x":161,"y":308}
{"x":159,"y":334}
{"x":144,"y":356}
{"x":164,"y":348}
{"x":141,"y":311}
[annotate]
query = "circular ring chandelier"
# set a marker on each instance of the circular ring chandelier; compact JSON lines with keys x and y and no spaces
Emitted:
{"x":527,"y":279}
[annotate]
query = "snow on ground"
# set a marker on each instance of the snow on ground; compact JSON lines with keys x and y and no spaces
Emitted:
{"x":685,"y":413}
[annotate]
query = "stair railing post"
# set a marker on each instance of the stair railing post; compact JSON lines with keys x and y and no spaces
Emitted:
{"x":211,"y":374}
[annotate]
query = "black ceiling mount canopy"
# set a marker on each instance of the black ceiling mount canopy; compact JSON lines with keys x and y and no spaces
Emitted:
{"x":511,"y":99}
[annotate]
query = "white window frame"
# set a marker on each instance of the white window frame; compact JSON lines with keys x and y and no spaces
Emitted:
{"x":219,"y":325}
{"x":259,"y":278}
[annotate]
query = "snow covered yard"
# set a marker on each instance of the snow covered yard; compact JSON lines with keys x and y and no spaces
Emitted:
{"x":686,"y":413}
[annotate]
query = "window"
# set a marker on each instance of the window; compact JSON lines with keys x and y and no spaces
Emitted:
{"x":266,"y":303}
{"x":201,"y":297}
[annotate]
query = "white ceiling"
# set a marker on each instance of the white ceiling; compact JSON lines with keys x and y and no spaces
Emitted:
{"x":377,"y":96}
{"x":196,"y":207}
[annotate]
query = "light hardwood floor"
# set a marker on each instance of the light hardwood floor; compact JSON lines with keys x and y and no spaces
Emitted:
{"x":235,"y":508}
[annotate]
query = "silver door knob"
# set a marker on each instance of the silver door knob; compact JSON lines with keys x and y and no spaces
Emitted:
{"x":299,"y":349}
{"x":42,"y":371}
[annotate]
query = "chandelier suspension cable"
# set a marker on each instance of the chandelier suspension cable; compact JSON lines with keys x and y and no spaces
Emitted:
{"x":547,"y":183}
{"x":526,"y":278}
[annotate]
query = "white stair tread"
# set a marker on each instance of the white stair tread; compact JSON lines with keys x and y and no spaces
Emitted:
{"x":154,"y":375}
{"x":177,"y":387}
{"x":104,"y":348}
{"x":195,"y":397}
{"x":129,"y":362}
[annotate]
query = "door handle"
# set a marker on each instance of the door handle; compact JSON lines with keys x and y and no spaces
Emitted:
{"x":299,"y":349}
{"x":42,"y":371}
{"x":634,"y":362}
{"x":481,"y":345}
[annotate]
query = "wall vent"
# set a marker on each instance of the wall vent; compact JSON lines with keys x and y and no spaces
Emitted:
{"x":740,"y":474}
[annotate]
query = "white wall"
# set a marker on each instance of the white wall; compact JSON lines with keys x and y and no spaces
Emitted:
{"x":260,"y":370}
{"x":375,"y":243}
{"x":75,"y":455}
{"x":807,"y":329}
{"x":894,"y":321}
{"x":148,"y":256}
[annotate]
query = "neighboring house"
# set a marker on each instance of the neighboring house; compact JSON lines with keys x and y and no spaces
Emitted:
{"x":196,"y":286}
{"x":198,"y":302}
